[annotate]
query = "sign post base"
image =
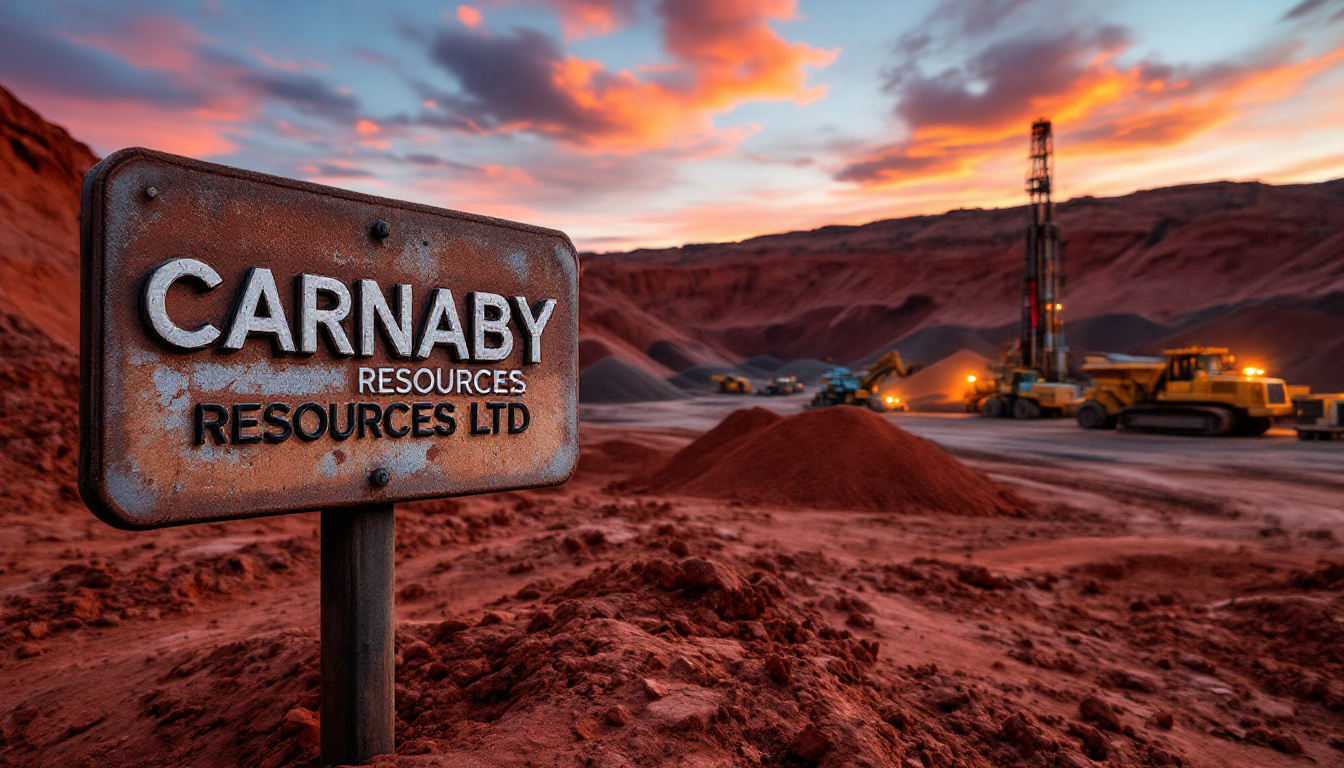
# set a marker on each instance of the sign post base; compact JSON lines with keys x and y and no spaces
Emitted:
{"x":358,"y":634}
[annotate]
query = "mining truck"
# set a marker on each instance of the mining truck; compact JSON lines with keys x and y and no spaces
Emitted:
{"x":1319,"y":417}
{"x":732,"y":384}
{"x":844,"y":387}
{"x":1190,"y":391}
{"x":782,"y":385}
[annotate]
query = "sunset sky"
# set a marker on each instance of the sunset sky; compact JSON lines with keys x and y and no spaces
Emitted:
{"x":647,"y":123}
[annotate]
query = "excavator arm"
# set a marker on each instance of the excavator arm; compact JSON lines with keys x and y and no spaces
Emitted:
{"x":887,"y":365}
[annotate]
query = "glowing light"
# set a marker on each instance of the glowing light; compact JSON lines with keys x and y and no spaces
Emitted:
{"x":971,"y":379}
{"x":891,"y":400}
{"x":1253,"y":371}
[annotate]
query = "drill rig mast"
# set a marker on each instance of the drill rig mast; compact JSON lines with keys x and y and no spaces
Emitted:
{"x":1042,"y":343}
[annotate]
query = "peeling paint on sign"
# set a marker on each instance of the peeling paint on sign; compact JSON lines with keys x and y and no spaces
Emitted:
{"x":215,"y":381}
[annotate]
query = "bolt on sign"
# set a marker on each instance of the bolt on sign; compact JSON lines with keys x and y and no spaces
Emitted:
{"x":254,"y":345}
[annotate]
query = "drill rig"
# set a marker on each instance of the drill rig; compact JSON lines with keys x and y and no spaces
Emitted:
{"x":1030,"y":382}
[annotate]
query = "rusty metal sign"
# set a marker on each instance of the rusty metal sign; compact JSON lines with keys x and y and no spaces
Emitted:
{"x":254,"y":345}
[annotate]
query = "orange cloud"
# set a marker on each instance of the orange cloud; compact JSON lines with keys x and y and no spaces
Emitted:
{"x":724,"y":53}
{"x":469,"y":16}
{"x":1100,"y":106}
{"x":584,"y":18}
{"x":590,"y":18}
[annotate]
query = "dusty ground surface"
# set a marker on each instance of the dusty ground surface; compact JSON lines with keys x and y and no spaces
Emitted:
{"x":1167,"y":602}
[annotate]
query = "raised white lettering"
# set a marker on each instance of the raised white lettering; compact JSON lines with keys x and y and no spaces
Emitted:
{"x":533,"y":324}
{"x":373,"y":309}
{"x":156,"y":303}
{"x":310,"y":316}
{"x":489,"y":318}
{"x":259,"y":286}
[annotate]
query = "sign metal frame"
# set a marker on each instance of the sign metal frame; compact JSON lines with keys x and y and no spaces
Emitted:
{"x":143,"y":208}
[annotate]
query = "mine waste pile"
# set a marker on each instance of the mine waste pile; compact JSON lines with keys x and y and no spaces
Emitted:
{"x":611,"y":380}
{"x":833,"y":458}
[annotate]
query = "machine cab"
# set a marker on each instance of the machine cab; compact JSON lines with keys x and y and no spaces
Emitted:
{"x":1184,"y":366}
{"x":1023,"y":381}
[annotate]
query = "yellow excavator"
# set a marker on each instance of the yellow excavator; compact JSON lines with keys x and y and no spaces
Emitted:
{"x":1189,"y":391}
{"x":732,"y":384}
{"x":843,"y":387}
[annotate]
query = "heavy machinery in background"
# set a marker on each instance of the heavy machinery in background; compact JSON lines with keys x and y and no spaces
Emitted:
{"x":844,"y":387}
{"x":732,"y":384}
{"x":1018,"y":392}
{"x":1319,"y":417}
{"x":782,"y":385}
{"x":1190,"y":391}
{"x":1030,"y":381}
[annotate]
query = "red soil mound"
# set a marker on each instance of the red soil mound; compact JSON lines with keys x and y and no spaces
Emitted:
{"x":41,"y":169}
{"x":39,"y":403}
{"x":700,"y":456}
{"x":835,"y":458}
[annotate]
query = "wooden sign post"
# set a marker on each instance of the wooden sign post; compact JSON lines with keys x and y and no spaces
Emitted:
{"x":357,"y":633}
{"x":253,"y":345}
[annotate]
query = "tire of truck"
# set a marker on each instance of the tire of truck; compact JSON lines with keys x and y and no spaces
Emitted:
{"x":1092,"y":415}
{"x":877,"y":404}
{"x":1026,"y":409}
{"x":992,"y":408}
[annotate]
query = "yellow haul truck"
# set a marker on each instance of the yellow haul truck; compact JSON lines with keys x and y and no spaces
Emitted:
{"x":1191,"y":391}
{"x":732,"y":384}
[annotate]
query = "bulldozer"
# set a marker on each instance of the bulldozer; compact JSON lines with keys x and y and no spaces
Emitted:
{"x":843,"y":387}
{"x":1021,"y":393}
{"x":1189,"y":391}
{"x":732,"y":384}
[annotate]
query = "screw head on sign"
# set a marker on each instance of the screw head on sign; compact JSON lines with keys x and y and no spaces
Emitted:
{"x":379,"y":478}
{"x":381,"y":229}
{"x":151,"y":192}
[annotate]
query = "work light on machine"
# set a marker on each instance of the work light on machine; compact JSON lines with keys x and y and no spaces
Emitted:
{"x":970,"y":379}
{"x":1253,"y":371}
